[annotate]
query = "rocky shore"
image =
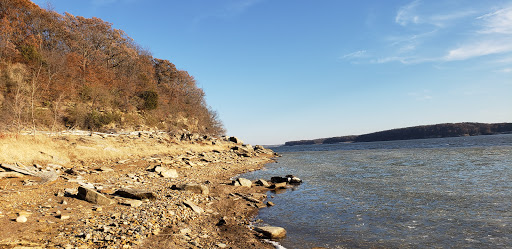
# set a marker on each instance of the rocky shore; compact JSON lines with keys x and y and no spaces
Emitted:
{"x":181,"y":199}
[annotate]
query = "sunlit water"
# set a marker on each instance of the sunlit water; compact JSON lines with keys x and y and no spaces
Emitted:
{"x":432,"y":193}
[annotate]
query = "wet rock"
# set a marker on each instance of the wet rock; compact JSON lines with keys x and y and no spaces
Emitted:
{"x":93,"y":196}
{"x":272,"y":232}
{"x":136,"y":194}
{"x":263,"y":183}
{"x":279,"y":185}
{"x":278,"y":179}
{"x":270,"y":204}
{"x":293,"y":179}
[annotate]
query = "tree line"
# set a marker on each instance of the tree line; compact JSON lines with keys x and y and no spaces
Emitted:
{"x":61,"y":71}
{"x":417,"y":132}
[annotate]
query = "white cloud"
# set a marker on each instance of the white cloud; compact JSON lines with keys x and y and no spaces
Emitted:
{"x":494,"y":38}
{"x":478,"y":49}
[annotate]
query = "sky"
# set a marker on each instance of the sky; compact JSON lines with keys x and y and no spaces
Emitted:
{"x":282,"y":70}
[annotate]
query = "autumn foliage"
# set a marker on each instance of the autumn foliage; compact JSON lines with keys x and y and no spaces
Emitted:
{"x":61,"y":71}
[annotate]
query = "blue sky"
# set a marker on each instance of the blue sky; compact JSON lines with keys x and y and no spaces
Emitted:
{"x":280,"y":70}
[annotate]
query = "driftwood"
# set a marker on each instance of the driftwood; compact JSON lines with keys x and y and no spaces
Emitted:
{"x":10,"y":175}
{"x":46,"y":177}
{"x":18,"y":169}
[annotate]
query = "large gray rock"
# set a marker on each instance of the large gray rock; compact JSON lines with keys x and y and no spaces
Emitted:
{"x":235,"y":140}
{"x":93,"y":196}
{"x":136,"y":194}
{"x":272,"y":232}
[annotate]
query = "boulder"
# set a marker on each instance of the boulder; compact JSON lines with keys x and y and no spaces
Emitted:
{"x":235,"y":140}
{"x":93,"y":196}
{"x":278,"y":179}
{"x":196,"y":188}
{"x":169,"y":173}
{"x":135,"y":194}
{"x":272,"y":232}
{"x":243,"y":182}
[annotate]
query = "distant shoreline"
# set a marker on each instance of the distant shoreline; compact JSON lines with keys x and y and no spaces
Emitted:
{"x":416,"y":132}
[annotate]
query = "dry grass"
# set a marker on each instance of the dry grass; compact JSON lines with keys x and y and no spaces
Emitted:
{"x":65,"y":150}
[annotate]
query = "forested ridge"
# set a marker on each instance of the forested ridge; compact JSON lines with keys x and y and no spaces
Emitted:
{"x":60,"y":71}
{"x":417,"y":132}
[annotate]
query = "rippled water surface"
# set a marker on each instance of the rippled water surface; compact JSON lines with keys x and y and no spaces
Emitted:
{"x":433,"y":193}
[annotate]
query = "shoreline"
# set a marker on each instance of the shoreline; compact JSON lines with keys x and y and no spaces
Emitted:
{"x":212,"y":214}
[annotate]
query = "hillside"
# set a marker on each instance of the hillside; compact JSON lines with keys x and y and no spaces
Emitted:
{"x":61,"y":71}
{"x":417,"y":132}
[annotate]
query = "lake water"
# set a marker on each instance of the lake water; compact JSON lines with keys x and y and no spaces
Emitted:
{"x":430,"y":193}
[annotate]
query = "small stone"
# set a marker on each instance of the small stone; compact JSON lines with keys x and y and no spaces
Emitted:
{"x":132,"y":203}
{"x":64,"y":202}
{"x":21,"y":219}
{"x":194,"y":207}
{"x":105,"y":169}
{"x":64,"y":217}
{"x":270,"y":204}
{"x":222,"y":245}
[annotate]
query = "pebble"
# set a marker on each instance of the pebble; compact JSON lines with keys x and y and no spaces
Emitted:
{"x":21,"y":219}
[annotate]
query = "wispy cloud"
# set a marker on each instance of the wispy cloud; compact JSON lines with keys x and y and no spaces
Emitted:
{"x":505,"y":70}
{"x":407,"y":14}
{"x":423,"y":95}
{"x":499,"y":22}
{"x":228,"y":9}
{"x":100,"y":3}
{"x":356,"y":54}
